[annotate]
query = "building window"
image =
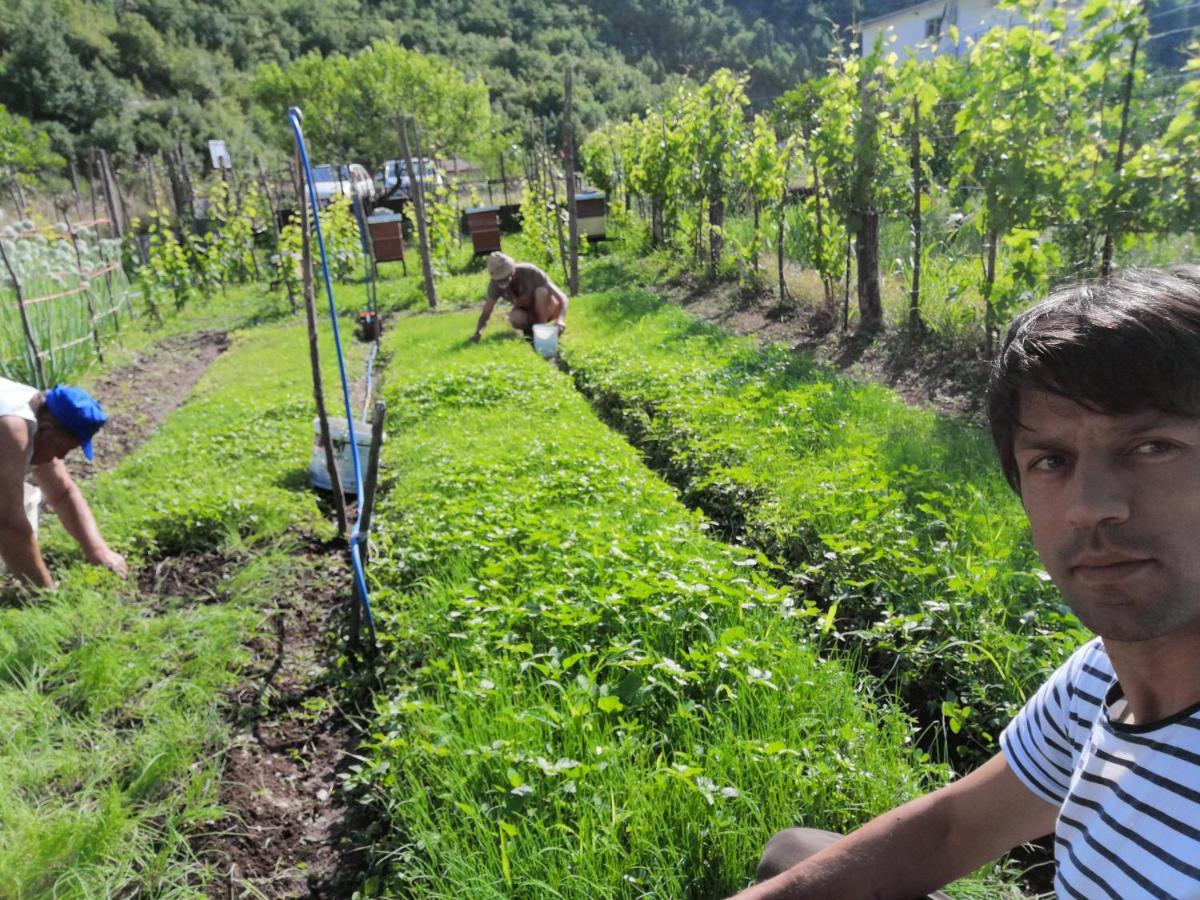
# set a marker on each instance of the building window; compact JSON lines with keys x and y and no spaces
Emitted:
{"x":933,"y":27}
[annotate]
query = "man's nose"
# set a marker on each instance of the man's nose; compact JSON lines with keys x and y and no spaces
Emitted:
{"x":1098,"y":494}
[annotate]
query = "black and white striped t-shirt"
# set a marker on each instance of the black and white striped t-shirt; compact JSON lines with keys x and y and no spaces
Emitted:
{"x":1129,"y":824}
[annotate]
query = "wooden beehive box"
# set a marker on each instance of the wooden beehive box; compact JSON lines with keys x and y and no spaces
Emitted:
{"x":483,"y":224}
{"x":590,"y":209}
{"x":387,"y":236}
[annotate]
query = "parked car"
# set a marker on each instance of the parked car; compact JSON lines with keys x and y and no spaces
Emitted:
{"x":394,"y":180}
{"x":331,"y":181}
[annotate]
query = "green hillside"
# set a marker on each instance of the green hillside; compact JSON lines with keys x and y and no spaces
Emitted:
{"x":139,"y":75}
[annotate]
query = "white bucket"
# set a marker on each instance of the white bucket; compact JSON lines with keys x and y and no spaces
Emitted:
{"x":33,"y":497}
{"x":545,"y":339}
{"x":318,"y":474}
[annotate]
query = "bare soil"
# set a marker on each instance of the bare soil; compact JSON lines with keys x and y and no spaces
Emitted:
{"x":924,"y":371}
{"x":286,"y":832}
{"x":139,"y":396}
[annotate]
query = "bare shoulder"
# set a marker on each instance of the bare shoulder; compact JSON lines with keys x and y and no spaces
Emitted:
{"x":14,"y":440}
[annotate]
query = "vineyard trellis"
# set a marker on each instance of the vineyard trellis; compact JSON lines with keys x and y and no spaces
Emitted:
{"x":1055,"y":147}
{"x":68,"y":290}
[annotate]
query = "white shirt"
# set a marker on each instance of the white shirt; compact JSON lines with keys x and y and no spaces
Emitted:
{"x":1128,"y":795}
{"x":14,"y":401}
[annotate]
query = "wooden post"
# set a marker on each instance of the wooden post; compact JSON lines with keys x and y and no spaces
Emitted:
{"x":75,"y":187}
{"x":783,"y":291}
{"x":83,"y":276}
{"x":29,"y":339}
{"x":846,"y":290}
{"x":92,"y":182}
{"x":368,"y":498}
{"x":118,"y":194}
{"x":310,"y":312}
{"x":416,"y":195}
{"x":106,"y":190}
{"x":914,"y":299}
{"x":22,"y":203}
{"x":553,"y":184}
{"x":503,"y":176}
{"x":572,"y":213}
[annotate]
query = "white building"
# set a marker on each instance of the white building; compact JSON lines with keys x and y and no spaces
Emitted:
{"x":923,"y":29}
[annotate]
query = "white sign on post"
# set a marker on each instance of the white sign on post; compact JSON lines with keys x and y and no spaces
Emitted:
{"x":219,"y":155}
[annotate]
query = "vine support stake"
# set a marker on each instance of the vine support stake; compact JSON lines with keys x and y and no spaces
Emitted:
{"x":417,"y":198}
{"x":310,"y":314}
{"x":569,"y":162}
{"x":83,"y":276}
{"x":372,"y":476}
{"x":29,"y":339}
{"x":914,"y":299}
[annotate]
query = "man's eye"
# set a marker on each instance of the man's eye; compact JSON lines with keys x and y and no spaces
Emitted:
{"x":1153,"y":448}
{"x":1048,"y":463}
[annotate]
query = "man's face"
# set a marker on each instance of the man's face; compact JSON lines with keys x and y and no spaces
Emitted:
{"x":52,"y":441}
{"x":503,"y":283}
{"x":1114,"y":505}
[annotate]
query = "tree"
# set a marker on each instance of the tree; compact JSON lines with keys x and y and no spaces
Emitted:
{"x":24,"y":153}
{"x":713,"y":122}
{"x":351,"y":103}
{"x":861,"y":152}
{"x":1015,"y":130}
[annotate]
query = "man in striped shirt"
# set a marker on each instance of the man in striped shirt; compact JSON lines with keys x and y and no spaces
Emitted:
{"x":1094,"y":407}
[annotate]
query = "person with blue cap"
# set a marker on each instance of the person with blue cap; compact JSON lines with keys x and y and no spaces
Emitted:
{"x":37,"y":430}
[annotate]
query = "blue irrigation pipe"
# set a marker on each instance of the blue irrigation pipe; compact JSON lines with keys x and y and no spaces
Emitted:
{"x":356,"y":536}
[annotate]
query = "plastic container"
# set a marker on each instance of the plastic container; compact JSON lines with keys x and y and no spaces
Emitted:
{"x":545,"y":339}
{"x":318,"y":475}
{"x":33,"y":497}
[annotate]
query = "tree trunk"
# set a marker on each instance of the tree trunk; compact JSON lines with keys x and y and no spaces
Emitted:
{"x":914,"y":299}
{"x":1119,"y":162}
{"x":866,"y":245}
{"x":783,"y":291}
{"x":989,"y":280}
{"x":846,"y":286}
{"x":716,"y":237}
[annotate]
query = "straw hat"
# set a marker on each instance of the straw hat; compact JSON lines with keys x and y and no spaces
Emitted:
{"x":500,"y":266}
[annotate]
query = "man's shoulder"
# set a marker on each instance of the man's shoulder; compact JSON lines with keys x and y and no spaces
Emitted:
{"x":15,"y":400}
{"x":531,"y":272}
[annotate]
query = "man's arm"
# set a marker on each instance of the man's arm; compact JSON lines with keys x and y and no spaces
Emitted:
{"x":924,"y":844}
{"x":488,"y":305}
{"x":65,"y":498}
{"x":18,"y":542}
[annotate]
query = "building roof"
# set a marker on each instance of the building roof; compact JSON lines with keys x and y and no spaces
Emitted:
{"x":907,"y":10}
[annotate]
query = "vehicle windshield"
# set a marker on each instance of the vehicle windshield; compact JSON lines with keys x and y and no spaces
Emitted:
{"x":398,"y":166}
{"x":324,"y":173}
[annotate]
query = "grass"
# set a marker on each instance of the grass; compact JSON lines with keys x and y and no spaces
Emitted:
{"x":893,"y":522}
{"x":585,"y":695}
{"x":113,"y":714}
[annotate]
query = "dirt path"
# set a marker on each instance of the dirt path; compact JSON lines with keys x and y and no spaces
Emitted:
{"x":286,"y":831}
{"x":138,"y":397}
{"x":927,"y":373}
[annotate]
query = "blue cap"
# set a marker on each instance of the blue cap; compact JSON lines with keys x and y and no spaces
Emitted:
{"x":77,"y":412}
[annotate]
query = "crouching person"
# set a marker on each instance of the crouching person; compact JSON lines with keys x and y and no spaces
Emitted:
{"x":37,"y":430}
{"x":536,"y":300}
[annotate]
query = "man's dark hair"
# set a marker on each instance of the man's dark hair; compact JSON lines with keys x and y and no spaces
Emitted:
{"x":1120,"y":345}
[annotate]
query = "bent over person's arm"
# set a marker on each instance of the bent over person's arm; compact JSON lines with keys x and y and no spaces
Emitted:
{"x":18,"y":542}
{"x":922,"y":845}
{"x":488,"y":305}
{"x":64,"y":497}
